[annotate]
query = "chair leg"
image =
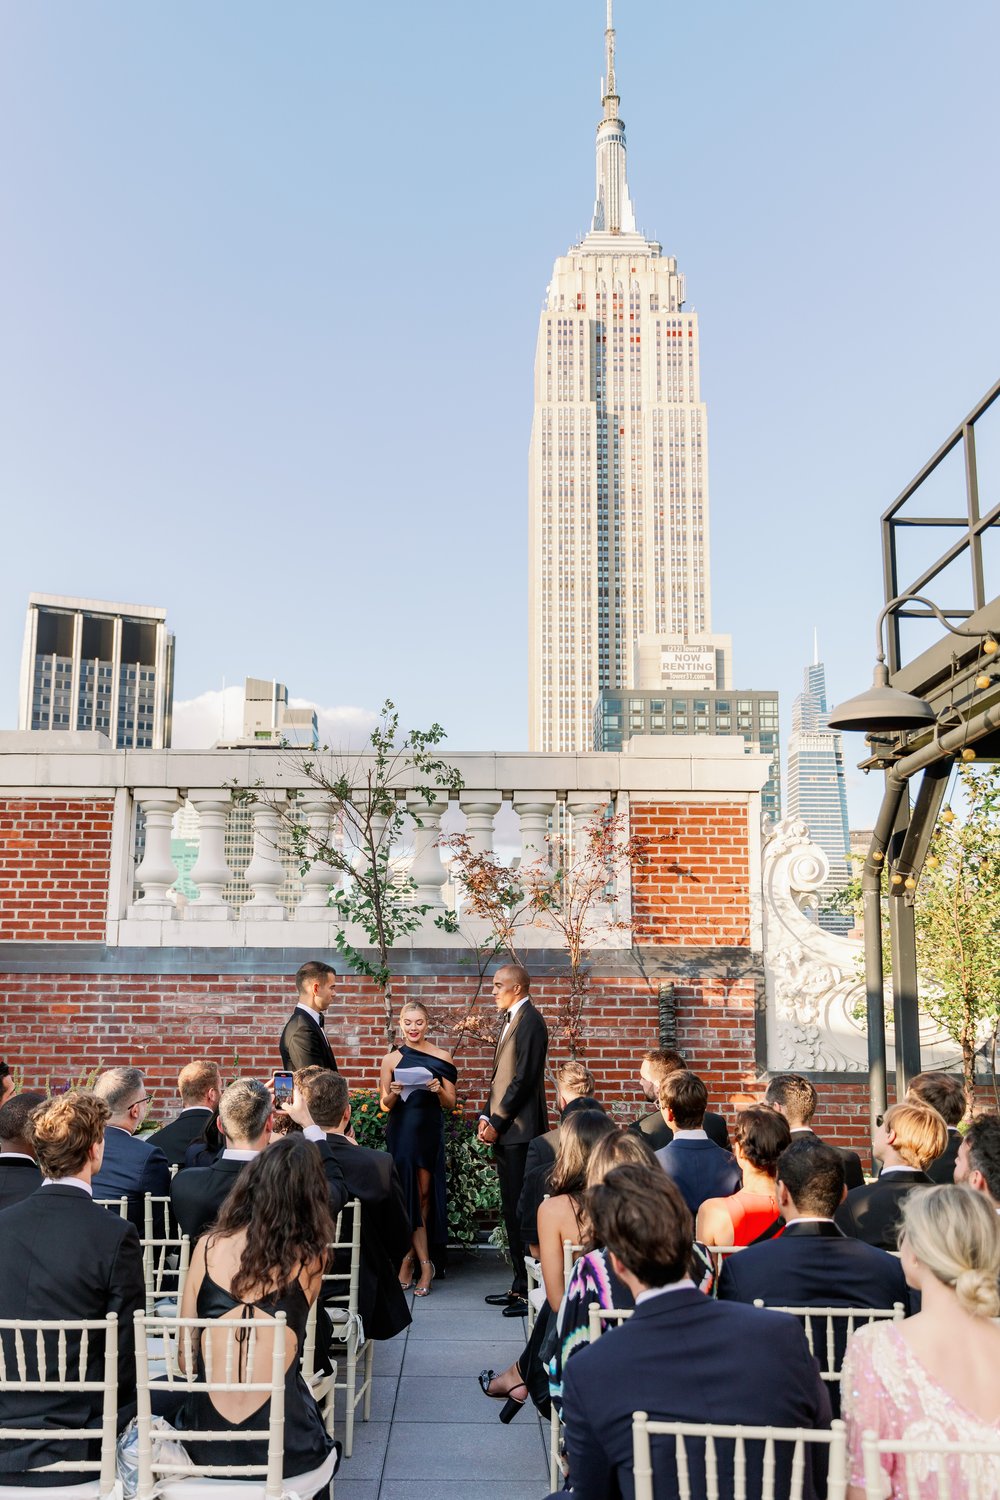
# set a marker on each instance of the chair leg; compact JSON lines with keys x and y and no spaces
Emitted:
{"x":555,"y":1468}
{"x":352,"y":1383}
{"x":366,"y":1409}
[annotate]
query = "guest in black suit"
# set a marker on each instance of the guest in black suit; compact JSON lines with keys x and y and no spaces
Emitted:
{"x":908,"y":1137}
{"x":19,"y":1173}
{"x":200,"y":1087}
{"x":700,"y":1168}
{"x":574,"y":1091}
{"x":322,"y":1106}
{"x":978,"y":1163}
{"x":682,"y":1356}
{"x":65,"y":1257}
{"x":246,"y":1114}
{"x":131,"y":1167}
{"x":303,"y":1042}
{"x":657,"y":1065}
{"x":812,"y":1263}
{"x":515,"y":1111}
{"x":794,"y":1097}
{"x":944,"y":1092}
{"x":6,"y":1082}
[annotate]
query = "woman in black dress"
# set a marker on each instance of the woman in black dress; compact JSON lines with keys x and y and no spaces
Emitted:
{"x":415,"y":1137}
{"x":266,"y":1254}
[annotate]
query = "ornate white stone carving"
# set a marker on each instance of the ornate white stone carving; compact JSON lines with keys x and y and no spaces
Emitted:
{"x":815,"y":979}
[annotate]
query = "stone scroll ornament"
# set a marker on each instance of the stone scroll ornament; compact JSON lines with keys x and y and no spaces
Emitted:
{"x":815,"y":979}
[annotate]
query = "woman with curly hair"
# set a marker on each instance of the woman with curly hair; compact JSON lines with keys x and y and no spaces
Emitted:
{"x":759,"y":1137}
{"x":266,"y":1254}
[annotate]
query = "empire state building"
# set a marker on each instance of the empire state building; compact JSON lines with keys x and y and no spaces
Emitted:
{"x":618,"y":486}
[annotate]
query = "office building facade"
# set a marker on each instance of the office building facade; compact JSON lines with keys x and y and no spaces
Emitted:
{"x":618,"y":470}
{"x":752,"y":715}
{"x":92,"y":665}
{"x":817,"y":789}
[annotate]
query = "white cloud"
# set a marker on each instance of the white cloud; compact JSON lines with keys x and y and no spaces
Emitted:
{"x":199,"y":723}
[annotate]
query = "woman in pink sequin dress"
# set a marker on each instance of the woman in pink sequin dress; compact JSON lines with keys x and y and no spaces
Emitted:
{"x":936,"y":1376}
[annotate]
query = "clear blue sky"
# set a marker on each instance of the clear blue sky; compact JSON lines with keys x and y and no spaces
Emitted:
{"x":270,"y":284}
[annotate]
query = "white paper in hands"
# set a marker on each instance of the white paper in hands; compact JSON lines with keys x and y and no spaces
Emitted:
{"x":412,"y":1078}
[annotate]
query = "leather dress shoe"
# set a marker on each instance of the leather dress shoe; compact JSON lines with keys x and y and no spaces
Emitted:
{"x":517,"y":1309}
{"x":502,"y":1299}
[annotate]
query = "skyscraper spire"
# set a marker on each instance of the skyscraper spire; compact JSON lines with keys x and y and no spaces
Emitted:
{"x":613,"y":212}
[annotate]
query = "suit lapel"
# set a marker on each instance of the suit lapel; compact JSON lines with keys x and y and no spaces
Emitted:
{"x":508,"y":1033}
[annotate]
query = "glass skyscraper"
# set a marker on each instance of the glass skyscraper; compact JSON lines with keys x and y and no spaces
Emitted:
{"x":816,"y":790}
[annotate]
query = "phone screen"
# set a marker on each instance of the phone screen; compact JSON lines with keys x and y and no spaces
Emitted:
{"x":284,"y":1087}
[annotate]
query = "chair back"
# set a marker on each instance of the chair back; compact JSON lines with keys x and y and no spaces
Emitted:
{"x":719,"y":1462}
{"x":599,"y":1318}
{"x":570,"y":1254}
{"x":237,"y":1358}
{"x":963,"y":1471}
{"x":114,"y":1205}
{"x":164,"y":1268}
{"x":339,"y":1301}
{"x":828,"y":1329}
{"x":39,"y":1358}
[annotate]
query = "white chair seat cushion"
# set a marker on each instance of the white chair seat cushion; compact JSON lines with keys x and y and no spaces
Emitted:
{"x":303,"y":1485}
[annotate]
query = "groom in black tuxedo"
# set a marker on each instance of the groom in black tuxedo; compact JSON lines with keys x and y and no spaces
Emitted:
{"x":515,"y":1112}
{"x":303,"y":1042}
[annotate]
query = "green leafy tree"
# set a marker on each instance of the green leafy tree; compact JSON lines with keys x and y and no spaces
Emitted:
{"x":365,"y":796}
{"x":958,"y":919}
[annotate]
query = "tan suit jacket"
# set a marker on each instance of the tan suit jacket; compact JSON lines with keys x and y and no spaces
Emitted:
{"x":516,"y":1108}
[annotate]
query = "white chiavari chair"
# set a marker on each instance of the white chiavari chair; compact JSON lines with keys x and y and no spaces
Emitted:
{"x":962,"y":1471}
{"x":697,"y":1445}
{"x":48,"y":1357}
{"x":823,"y":1324}
{"x":339,"y":1302}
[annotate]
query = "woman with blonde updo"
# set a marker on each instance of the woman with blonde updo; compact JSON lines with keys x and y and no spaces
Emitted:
{"x":934,"y":1376}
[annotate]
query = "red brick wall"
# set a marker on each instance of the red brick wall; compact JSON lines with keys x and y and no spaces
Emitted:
{"x":695,"y":885}
{"x":59,"y":1027}
{"x":54,"y":862}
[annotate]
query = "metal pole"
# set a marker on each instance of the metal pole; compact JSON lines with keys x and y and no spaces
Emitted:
{"x":903,"y":936}
{"x":871,"y":893}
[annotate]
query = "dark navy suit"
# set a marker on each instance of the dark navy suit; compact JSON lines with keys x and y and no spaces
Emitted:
{"x":813,"y":1264}
{"x":684,"y":1357}
{"x":701,"y":1170}
{"x":130,"y":1169}
{"x":942,"y":1168}
{"x":871,"y":1213}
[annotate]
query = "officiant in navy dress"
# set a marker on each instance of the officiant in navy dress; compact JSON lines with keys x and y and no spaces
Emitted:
{"x":415,"y":1138}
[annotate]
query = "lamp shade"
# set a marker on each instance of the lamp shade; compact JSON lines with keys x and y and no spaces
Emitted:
{"x":882,"y":709}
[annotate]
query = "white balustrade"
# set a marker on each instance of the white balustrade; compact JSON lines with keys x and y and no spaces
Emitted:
{"x":534,"y":810}
{"x":321,"y":877}
{"x":426,"y":869}
{"x":480,"y":809}
{"x":210,"y":872}
{"x":265,"y":874}
{"x":156,"y":871}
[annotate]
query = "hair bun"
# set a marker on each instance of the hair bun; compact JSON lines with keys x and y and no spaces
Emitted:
{"x":977,"y":1293}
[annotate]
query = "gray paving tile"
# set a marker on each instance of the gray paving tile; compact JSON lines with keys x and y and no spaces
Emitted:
{"x":383,"y":1400}
{"x":483,"y":1324}
{"x":418,"y":1489}
{"x":457,"y":1357}
{"x":446,"y":1400}
{"x":499,"y":1454}
{"x":371,"y":1439}
{"x":355,"y":1489}
{"x":389,"y":1355}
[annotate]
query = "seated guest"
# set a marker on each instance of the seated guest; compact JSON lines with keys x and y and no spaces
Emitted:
{"x":944,"y":1092}
{"x":679,"y":1356}
{"x":759,"y":1137}
{"x":700,"y":1168}
{"x":908,"y":1137}
{"x":65,"y":1257}
{"x":6,"y":1082}
{"x":208,"y":1145}
{"x":321,"y":1104}
{"x":794,"y":1097}
{"x":812,"y":1263}
{"x":19,"y":1172}
{"x":655,"y":1066}
{"x":575,"y":1090}
{"x":267,"y":1254}
{"x":559,"y":1223}
{"x":977,"y":1165}
{"x":935,"y":1375}
{"x":131,"y":1167}
{"x":246,"y":1114}
{"x":200,"y":1086}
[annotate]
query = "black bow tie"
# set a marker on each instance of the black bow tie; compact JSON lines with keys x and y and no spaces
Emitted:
{"x":322,"y":1023}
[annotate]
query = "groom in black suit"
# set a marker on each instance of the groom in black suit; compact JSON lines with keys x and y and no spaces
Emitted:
{"x":515,"y":1112}
{"x":303,"y":1042}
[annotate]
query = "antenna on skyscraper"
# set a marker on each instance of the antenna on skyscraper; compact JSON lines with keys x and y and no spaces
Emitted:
{"x":815,"y":647}
{"x":609,"y":43}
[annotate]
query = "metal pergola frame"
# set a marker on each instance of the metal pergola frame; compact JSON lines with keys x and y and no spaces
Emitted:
{"x":967,"y":716}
